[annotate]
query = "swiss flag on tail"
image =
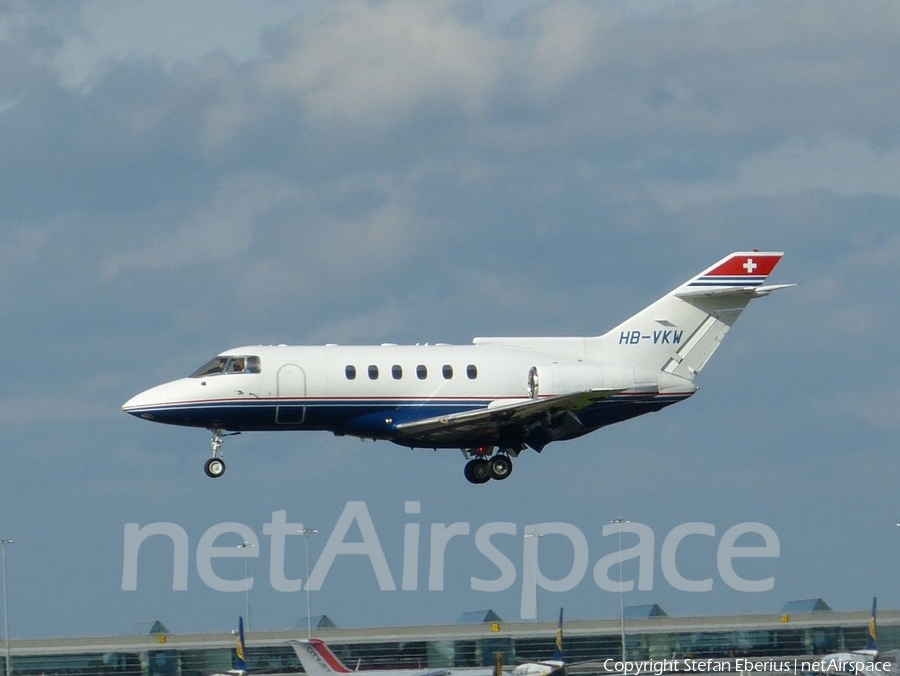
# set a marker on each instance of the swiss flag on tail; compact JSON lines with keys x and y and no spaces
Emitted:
{"x":741,"y":269}
{"x":751,"y":264}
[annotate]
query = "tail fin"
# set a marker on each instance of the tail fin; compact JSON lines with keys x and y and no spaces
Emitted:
{"x":240,"y":660}
{"x":317,"y":658}
{"x":558,"y":655}
{"x":680,"y":331}
{"x":871,"y":635}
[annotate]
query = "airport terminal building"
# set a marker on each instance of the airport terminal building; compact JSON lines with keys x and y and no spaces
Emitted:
{"x":800,"y":632}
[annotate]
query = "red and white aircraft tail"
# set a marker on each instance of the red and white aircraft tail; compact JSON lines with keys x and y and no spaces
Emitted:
{"x":318,"y":660}
{"x":679,"y":332}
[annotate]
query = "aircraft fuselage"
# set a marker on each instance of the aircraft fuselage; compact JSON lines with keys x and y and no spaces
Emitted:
{"x":367,"y":391}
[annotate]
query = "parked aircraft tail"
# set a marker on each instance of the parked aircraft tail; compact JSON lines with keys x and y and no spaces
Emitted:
{"x":679,"y":332}
{"x":240,"y":660}
{"x":860,"y":661}
{"x":317,"y":658}
{"x":558,"y":655}
{"x":872,"y":633}
{"x":552,"y":667}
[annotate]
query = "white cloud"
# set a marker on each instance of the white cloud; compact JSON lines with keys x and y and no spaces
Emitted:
{"x":840,"y":164}
{"x":172,"y":31}
{"x":564,"y":38}
{"x":880,"y":408}
{"x":376,"y":65}
{"x":19,"y":247}
{"x":215,"y":232}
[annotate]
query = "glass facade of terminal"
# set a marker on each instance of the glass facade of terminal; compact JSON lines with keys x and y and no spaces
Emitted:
{"x":781,"y":641}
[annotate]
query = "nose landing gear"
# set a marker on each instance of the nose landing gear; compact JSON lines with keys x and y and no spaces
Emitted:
{"x":215,"y":466}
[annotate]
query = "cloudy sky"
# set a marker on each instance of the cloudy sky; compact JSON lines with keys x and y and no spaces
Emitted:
{"x":178,"y":178}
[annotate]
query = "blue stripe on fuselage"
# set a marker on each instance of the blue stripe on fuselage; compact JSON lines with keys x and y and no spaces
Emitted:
{"x":367,"y":417}
{"x":350,"y":416}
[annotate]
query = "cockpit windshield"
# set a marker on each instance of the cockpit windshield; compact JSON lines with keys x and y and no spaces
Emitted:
{"x":223,"y":364}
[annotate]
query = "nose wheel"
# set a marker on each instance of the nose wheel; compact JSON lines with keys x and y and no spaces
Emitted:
{"x":215,"y":466}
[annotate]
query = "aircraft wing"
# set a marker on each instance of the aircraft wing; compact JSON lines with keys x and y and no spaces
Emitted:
{"x":536,"y":421}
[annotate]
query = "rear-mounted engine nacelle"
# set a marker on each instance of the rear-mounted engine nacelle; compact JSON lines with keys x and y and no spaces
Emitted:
{"x":565,"y":377}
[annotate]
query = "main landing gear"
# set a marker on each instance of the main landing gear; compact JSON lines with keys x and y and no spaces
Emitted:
{"x":482,"y":469}
{"x":215,"y":466}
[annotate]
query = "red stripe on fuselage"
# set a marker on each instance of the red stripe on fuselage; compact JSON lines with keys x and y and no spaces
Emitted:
{"x":413,"y":401}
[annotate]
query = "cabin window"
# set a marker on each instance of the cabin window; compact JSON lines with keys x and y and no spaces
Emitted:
{"x":350,"y":372}
{"x":397,"y":371}
{"x":421,"y":372}
{"x":447,"y":371}
{"x":373,"y":372}
{"x":472,"y":371}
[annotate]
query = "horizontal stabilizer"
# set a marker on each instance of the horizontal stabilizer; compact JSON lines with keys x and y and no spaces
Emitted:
{"x":723,"y":291}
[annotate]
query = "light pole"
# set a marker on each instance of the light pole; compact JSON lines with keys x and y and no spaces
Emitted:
{"x":247,"y":545}
{"x":3,"y":543}
{"x":306,"y":532}
{"x":620,"y":521}
{"x":537,"y":615}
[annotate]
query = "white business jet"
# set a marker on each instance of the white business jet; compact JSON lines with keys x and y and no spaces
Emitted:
{"x":491,"y":399}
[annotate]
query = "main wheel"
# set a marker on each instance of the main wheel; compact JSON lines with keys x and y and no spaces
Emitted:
{"x":478,"y":471}
{"x":501,"y":467}
{"x":214,"y":468}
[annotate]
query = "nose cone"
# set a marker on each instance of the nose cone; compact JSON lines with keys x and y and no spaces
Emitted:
{"x":144,"y":404}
